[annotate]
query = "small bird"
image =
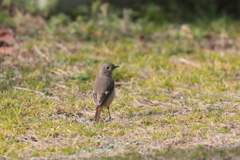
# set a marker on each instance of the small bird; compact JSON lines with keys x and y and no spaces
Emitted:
{"x":104,"y":89}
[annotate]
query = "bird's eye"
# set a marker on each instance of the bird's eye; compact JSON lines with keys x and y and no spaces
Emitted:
{"x":107,"y":67}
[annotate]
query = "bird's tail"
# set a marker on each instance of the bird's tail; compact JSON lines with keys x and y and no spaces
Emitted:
{"x":98,"y":112}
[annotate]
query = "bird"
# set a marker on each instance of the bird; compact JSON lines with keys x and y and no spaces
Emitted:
{"x":103,"y":89}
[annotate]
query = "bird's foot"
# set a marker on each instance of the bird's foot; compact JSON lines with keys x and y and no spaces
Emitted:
{"x":109,"y":119}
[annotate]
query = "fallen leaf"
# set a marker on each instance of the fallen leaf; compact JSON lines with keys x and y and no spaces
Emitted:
{"x":8,"y":41}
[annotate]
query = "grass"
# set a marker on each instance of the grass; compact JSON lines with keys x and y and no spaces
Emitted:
{"x":177,"y":91}
{"x":198,"y":152}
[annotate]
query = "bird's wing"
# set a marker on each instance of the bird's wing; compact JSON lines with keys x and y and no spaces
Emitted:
{"x":101,"y":98}
{"x":95,"y":98}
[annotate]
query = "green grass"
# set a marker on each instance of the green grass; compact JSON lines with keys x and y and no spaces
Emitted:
{"x":198,"y":152}
{"x":175,"y":94}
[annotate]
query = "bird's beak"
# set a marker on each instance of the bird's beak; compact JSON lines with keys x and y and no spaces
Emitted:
{"x":116,"y":67}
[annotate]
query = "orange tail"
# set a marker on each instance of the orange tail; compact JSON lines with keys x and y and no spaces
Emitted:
{"x":97,"y":115}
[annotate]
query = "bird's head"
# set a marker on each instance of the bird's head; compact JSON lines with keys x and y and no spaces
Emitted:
{"x":106,"y":69}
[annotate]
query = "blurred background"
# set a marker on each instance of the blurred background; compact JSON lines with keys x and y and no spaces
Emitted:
{"x":115,"y":15}
{"x":105,"y":20}
{"x":155,"y":10}
{"x":131,"y":17}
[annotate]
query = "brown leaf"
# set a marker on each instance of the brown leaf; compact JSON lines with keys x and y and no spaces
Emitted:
{"x":8,"y":41}
{"x":61,"y":110}
{"x":7,"y":36}
{"x":7,"y":50}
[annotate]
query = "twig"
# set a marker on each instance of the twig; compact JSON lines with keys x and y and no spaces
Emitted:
{"x":25,"y":89}
{"x":63,"y":48}
{"x":60,"y":85}
{"x":41,"y":53}
{"x":187,"y":62}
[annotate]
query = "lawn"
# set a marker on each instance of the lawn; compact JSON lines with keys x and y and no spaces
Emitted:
{"x":177,"y":89}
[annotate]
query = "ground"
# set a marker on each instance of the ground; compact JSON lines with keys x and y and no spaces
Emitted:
{"x":177,"y":90}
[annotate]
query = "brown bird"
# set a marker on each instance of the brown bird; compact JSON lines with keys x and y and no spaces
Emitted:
{"x":103,"y":89}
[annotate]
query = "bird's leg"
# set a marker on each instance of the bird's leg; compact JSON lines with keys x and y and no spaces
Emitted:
{"x":98,"y":112}
{"x":109,"y":113}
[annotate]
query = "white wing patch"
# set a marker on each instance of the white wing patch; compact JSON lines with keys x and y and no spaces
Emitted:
{"x":106,"y":92}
